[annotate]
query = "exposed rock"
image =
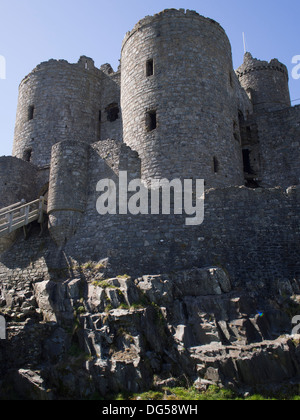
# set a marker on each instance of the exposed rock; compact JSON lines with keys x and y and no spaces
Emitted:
{"x":43,"y":294}
{"x":201,"y":282}
{"x":30,"y":385}
{"x":158,"y":289}
{"x":110,"y":335}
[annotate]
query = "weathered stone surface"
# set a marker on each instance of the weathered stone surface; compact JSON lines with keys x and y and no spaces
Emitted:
{"x":158,"y":289}
{"x":30,"y":385}
{"x":122,"y":334}
{"x":201,"y":282}
{"x":44,"y":292}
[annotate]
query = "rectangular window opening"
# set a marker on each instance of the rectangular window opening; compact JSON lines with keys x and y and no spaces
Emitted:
{"x":151,"y":121}
{"x":30,"y":112}
{"x":149,"y":68}
{"x":216,"y":165}
{"x":247,"y":163}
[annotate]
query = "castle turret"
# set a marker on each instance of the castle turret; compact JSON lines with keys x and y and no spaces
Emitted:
{"x":57,"y":101}
{"x":67,"y":188}
{"x":178,"y":99}
{"x":265,"y":83}
{"x":60,"y":101}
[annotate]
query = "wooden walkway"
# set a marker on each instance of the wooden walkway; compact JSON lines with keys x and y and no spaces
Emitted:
{"x":21,"y":214}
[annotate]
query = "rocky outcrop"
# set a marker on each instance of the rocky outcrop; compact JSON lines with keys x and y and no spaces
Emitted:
{"x":91,"y":335}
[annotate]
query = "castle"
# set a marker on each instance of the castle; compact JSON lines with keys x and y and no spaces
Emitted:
{"x":174,"y":109}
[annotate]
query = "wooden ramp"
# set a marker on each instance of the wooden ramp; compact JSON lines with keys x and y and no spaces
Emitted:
{"x":21,"y":214}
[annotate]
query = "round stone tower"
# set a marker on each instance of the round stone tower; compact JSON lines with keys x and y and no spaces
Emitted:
{"x":265,"y":83}
{"x":57,"y":101}
{"x":178,"y":98}
{"x":67,"y":188}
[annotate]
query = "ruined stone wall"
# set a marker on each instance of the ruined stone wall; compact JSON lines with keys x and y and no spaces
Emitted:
{"x":110,"y":113}
{"x":179,"y":99}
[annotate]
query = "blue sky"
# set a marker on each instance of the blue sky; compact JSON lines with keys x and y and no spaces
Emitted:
{"x":32,"y":31}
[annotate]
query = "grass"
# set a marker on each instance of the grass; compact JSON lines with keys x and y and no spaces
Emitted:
{"x":91,"y":265}
{"x":213,"y":393}
{"x":104,"y":284}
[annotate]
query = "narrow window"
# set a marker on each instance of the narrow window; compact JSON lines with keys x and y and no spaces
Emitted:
{"x":99,"y":124}
{"x":236,"y":131}
{"x":30,"y":112}
{"x":151,"y":121}
{"x":216,"y":165}
{"x":149,"y":68}
{"x":112,"y":112}
{"x":247,"y":162}
{"x":27,"y":155}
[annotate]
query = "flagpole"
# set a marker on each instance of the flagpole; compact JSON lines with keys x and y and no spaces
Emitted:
{"x":244,"y":41}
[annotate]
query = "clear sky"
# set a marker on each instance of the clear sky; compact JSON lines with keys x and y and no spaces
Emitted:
{"x":32,"y":31}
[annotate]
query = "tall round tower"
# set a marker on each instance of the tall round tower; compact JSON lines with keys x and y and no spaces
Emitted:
{"x":57,"y":101}
{"x":266,"y":83}
{"x":178,"y":98}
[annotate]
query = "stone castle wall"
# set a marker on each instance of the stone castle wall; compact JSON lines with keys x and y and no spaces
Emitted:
{"x":17,"y":182}
{"x":279,"y":140}
{"x":272,"y":141}
{"x":252,"y":234}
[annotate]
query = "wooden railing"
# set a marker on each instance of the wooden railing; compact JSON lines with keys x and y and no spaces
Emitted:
{"x":21,"y":214}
